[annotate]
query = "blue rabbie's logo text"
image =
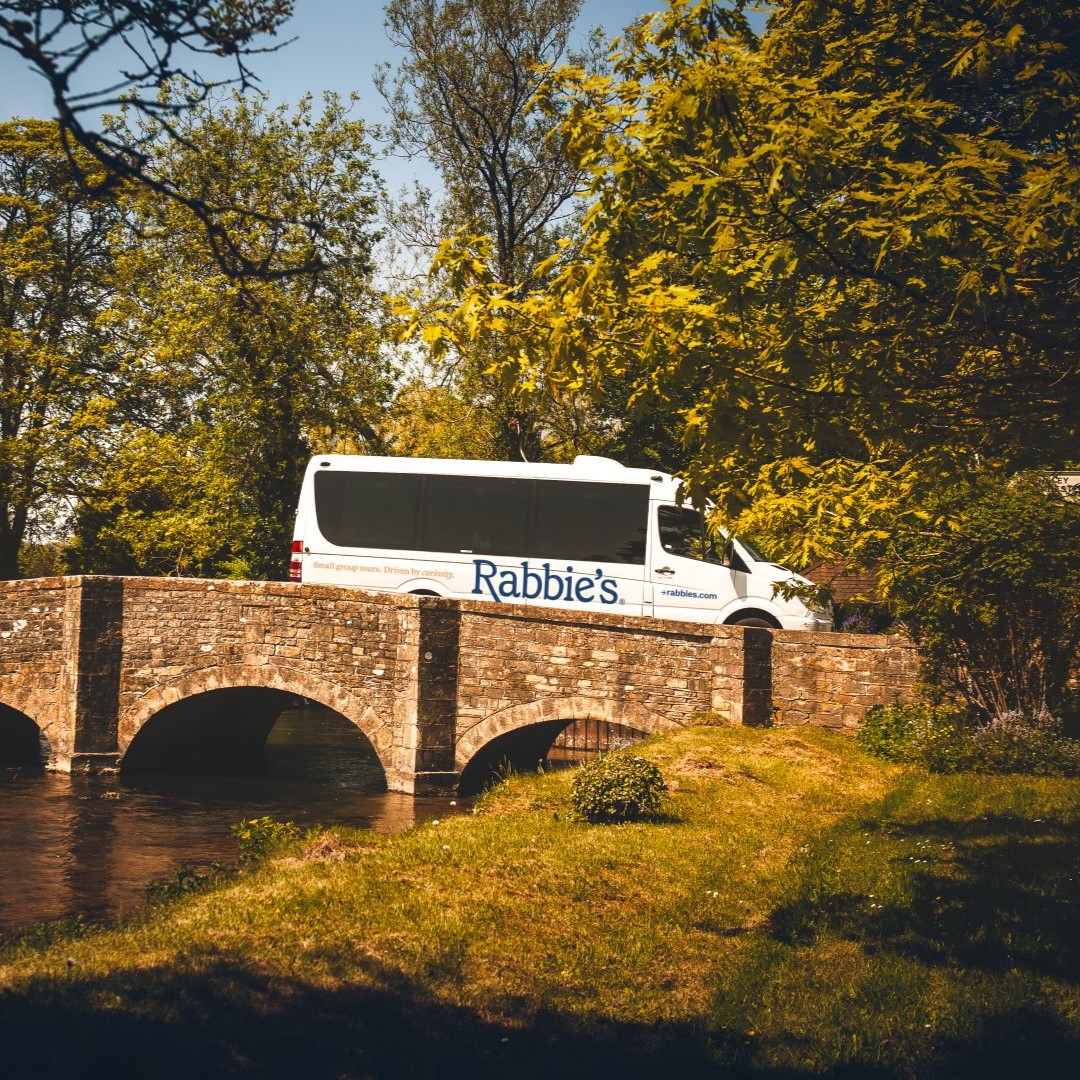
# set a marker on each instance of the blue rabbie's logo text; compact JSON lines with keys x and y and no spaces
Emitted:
{"x":527,"y":583}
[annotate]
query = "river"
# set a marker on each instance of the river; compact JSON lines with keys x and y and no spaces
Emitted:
{"x":89,"y":846}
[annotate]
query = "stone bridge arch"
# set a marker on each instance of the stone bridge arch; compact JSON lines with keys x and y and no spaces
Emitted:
{"x":353,"y":707}
{"x":12,"y":704}
{"x":24,"y":738}
{"x":547,"y":717}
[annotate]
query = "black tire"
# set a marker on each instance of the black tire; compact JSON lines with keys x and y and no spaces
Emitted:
{"x":754,"y":619}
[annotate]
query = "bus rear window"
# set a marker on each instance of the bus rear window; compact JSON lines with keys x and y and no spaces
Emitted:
{"x":368,"y":510}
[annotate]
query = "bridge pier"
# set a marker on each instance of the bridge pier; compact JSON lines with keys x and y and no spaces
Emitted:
{"x":430,"y":718}
{"x":90,"y":687}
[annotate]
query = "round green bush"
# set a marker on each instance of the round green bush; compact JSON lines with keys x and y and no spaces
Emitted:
{"x":617,"y":787}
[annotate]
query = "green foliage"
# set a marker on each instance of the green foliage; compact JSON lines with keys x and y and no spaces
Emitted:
{"x":151,"y":44}
{"x":43,"y":560}
{"x":461,"y":95}
{"x":617,"y":787}
{"x":54,"y":277}
{"x":261,"y":838}
{"x":185,"y":880}
{"x":941,"y":739}
{"x":231,"y":384}
{"x":935,"y":736}
{"x":842,"y":254}
{"x":888,"y":730}
{"x":436,"y":421}
{"x":993,"y":598}
{"x":1015,"y":743}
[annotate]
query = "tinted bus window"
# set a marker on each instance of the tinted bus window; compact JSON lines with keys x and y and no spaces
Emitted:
{"x":682,"y":532}
{"x":361,"y":509}
{"x":479,"y":515}
{"x":595,"y":522}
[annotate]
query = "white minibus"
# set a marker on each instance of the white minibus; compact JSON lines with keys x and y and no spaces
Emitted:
{"x":591,"y":536}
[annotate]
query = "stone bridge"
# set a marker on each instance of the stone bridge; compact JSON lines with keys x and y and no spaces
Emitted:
{"x":152,"y":673}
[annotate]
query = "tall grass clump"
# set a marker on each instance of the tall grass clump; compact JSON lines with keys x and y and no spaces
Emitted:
{"x":261,"y":838}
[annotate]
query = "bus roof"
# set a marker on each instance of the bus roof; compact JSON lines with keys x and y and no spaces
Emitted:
{"x":584,"y":467}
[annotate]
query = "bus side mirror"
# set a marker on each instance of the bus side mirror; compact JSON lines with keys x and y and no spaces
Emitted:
{"x":728,"y":557}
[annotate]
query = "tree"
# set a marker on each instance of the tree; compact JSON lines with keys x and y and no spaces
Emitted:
{"x":153,"y":45}
{"x":461,"y":97}
{"x":994,"y":601}
{"x":844,"y":253}
{"x":54,"y":270}
{"x":232,"y":383}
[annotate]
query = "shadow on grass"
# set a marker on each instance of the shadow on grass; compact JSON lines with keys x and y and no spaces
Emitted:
{"x":1004,"y":899}
{"x":213,"y":1017}
{"x":996,"y":895}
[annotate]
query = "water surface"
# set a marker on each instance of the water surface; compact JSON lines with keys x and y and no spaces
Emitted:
{"x":76,"y":845}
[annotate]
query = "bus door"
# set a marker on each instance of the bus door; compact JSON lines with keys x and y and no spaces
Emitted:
{"x":689,"y":580}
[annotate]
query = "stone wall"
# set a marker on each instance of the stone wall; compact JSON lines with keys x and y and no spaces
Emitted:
{"x":37,"y":638}
{"x":830,"y":680}
{"x":431,"y":682}
{"x":352,"y":651}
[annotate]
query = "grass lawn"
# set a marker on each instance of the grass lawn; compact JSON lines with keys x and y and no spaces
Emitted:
{"x":803,"y":910}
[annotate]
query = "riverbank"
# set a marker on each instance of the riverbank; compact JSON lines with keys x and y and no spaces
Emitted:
{"x":804,"y":909}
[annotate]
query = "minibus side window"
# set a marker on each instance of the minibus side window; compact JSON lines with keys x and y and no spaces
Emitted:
{"x":682,"y":532}
{"x":477,"y":515}
{"x":367,"y":509}
{"x":591,"y":522}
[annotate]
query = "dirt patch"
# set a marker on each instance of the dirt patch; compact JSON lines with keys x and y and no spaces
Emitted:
{"x":706,"y":768}
{"x":329,"y":847}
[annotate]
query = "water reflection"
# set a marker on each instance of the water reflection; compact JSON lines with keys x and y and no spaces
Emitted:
{"x":89,"y":846}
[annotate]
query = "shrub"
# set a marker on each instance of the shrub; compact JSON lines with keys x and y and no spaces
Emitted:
{"x":990,"y":591}
{"x":259,"y":838}
{"x":938,"y":737}
{"x":942,"y":740}
{"x":887,"y":730}
{"x":617,"y":787}
{"x":1014,"y":743}
{"x":931,"y":735}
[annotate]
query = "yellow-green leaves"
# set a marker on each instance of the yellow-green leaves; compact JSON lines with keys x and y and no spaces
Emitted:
{"x":229,"y":385}
{"x":54,"y":263}
{"x":842,"y":257}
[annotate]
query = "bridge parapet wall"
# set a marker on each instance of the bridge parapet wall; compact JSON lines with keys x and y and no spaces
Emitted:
{"x":515,"y":654}
{"x":428,"y":680}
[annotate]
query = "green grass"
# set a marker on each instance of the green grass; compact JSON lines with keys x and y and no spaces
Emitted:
{"x":802,"y":909}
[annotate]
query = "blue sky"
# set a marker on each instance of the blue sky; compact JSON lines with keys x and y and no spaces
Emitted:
{"x":337,"y":45}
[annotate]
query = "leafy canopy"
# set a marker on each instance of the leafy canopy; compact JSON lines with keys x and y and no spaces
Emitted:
{"x":844,"y":253}
{"x":460,"y":96}
{"x":55,"y":266}
{"x":231,"y":384}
